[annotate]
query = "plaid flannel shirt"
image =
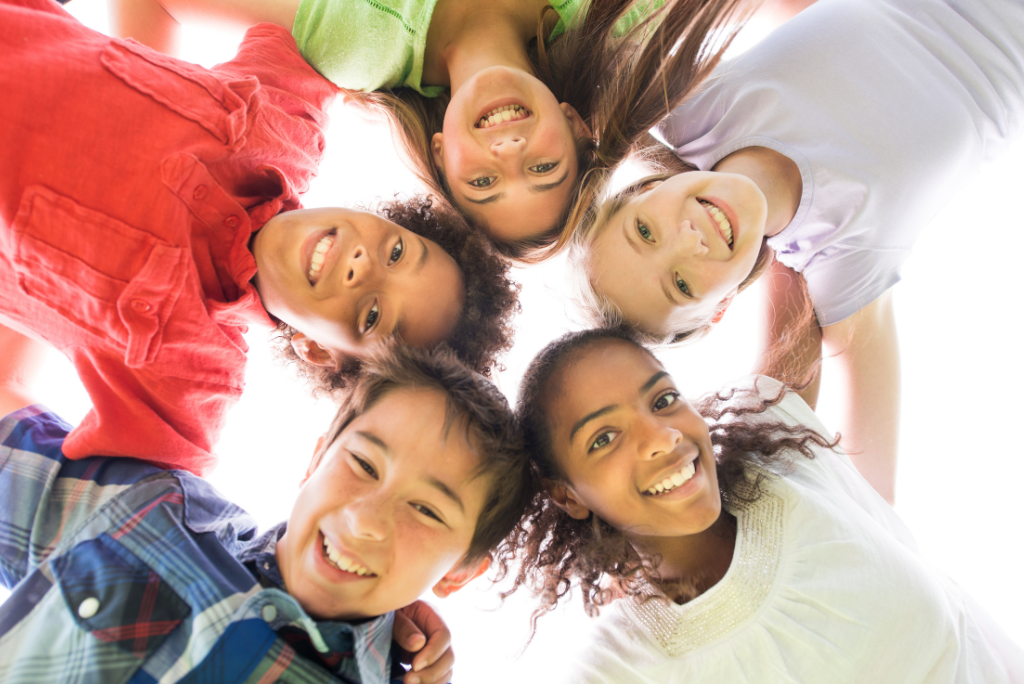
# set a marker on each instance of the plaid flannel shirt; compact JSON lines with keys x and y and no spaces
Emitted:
{"x":122,"y":572}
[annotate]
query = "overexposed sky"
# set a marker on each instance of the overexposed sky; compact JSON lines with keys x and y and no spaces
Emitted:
{"x":961,"y":458}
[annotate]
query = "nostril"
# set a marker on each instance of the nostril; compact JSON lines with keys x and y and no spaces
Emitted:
{"x":351,"y":274}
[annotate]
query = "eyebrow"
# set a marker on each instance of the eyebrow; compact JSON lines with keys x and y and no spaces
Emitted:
{"x":487,"y":200}
{"x":423,"y":255}
{"x":550,"y":186}
{"x":651,"y":382}
{"x":374,"y":439}
{"x":447,"y":491}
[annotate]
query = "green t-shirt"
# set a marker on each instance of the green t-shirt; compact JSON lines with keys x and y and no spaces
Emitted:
{"x":373,"y":44}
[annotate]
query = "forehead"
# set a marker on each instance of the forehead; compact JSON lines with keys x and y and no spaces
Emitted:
{"x":606,"y":373}
{"x":417,"y":430}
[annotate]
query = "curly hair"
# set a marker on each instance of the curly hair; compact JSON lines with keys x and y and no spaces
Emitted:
{"x":557,"y":551}
{"x":490,"y":427}
{"x":484,"y":330}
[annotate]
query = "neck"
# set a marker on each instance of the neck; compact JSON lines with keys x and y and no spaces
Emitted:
{"x":776,"y":175}
{"x":467,"y":37}
{"x":692,"y":564}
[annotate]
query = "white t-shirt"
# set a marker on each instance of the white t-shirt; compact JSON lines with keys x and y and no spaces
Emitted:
{"x":825,"y":585}
{"x":886,"y":106}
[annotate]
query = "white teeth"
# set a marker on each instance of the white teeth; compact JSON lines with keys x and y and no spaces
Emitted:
{"x":317,"y":261}
{"x":674,"y":480}
{"x":343,"y":562}
{"x":721,"y":219}
{"x":502,"y":114}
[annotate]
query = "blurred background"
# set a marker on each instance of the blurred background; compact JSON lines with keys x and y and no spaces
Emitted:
{"x":961,"y":469}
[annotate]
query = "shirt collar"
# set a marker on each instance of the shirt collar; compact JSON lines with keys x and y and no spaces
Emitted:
{"x":369,"y":642}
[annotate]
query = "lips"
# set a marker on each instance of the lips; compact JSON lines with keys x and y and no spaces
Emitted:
{"x":503,"y":114}
{"x":317,"y":250}
{"x":722,"y":222}
{"x":673,"y":480}
{"x":343,"y":561}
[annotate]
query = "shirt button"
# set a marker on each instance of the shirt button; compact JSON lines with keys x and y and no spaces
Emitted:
{"x":269,"y":613}
{"x":141,"y":305}
{"x":231,"y":221}
{"x":88,"y":608}
{"x":199,"y":193}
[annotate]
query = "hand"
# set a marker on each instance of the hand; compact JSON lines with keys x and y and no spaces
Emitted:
{"x":426,"y":644}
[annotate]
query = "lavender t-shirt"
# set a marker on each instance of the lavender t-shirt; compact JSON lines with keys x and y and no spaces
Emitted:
{"x":886,"y":106}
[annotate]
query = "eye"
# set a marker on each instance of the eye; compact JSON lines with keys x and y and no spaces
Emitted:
{"x":482,"y":181}
{"x":397,"y":251}
{"x":644,"y":231}
{"x":543,"y":168}
{"x":365,"y":466}
{"x":665,"y":400}
{"x":372,"y":317}
{"x":427,"y":512}
{"x":603,"y":440}
{"x":681,"y":285}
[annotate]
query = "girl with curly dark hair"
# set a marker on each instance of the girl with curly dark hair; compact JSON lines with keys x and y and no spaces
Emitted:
{"x":736,"y":541}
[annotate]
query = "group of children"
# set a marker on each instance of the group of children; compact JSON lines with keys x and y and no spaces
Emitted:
{"x":733,"y":539}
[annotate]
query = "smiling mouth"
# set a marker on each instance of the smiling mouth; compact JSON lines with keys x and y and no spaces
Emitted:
{"x":724,"y":226}
{"x":502,"y":114}
{"x":676,"y":479}
{"x":343,"y":562}
{"x":316,"y":262}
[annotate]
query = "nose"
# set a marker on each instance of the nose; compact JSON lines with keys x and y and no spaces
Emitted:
{"x":689,"y":241}
{"x":359,"y":267}
{"x":367,"y":517}
{"x":658,"y":439}
{"x":511,"y":146}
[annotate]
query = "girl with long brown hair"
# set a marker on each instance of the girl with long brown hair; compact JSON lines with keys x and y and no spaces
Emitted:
{"x":731,"y":540}
{"x":513,"y":111}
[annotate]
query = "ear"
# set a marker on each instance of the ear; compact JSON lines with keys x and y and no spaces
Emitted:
{"x":437,"y":150}
{"x":580,"y":129}
{"x":318,"y":456}
{"x":460,"y":576}
{"x":311,"y":352}
{"x":724,"y":305}
{"x":565,"y":498}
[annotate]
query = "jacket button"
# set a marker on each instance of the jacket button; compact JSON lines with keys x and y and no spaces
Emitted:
{"x":141,"y":305}
{"x":269,"y":613}
{"x":88,"y":608}
{"x":231,"y":221}
{"x":199,"y":193}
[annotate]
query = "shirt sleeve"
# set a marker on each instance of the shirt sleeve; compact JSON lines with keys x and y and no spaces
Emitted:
{"x":366,"y":44}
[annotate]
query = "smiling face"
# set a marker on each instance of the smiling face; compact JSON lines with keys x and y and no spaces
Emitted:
{"x":631,"y":449}
{"x":388,"y":510}
{"x":350,"y":279}
{"x":674,"y":252}
{"x":508,"y":153}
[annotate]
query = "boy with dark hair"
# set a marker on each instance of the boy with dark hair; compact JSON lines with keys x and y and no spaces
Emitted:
{"x":122,"y":571}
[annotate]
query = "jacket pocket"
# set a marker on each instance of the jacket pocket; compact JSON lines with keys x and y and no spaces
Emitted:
{"x":117,"y":282}
{"x":117,"y":598}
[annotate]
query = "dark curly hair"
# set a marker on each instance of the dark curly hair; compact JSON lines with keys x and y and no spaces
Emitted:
{"x":484,"y":330}
{"x":555,"y":550}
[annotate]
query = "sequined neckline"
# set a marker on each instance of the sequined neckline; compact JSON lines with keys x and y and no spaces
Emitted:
{"x":679,"y":629}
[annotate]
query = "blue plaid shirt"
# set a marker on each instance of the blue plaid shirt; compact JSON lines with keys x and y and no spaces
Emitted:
{"x":122,"y":572}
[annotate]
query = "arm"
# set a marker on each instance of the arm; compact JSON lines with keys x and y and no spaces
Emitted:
{"x":791,"y":340}
{"x":157,"y":23}
{"x":863,"y":352}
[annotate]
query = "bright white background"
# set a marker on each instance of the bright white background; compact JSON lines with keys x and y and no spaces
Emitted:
{"x":961,"y":472}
